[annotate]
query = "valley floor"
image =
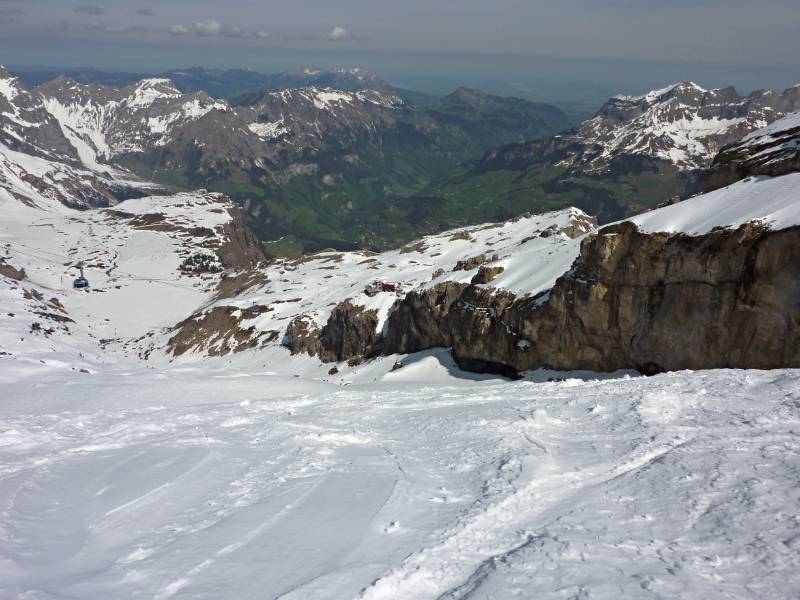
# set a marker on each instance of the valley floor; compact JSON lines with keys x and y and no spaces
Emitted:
{"x":196,"y":482}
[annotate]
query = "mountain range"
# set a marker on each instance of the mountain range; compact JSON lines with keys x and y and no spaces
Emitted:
{"x":360,"y":165}
{"x":220,"y":83}
{"x":314,"y":167}
{"x":635,"y":153}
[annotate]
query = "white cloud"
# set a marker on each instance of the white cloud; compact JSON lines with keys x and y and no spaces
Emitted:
{"x":338,"y":33}
{"x":178,"y":30}
{"x":208,"y":28}
{"x":262,"y":34}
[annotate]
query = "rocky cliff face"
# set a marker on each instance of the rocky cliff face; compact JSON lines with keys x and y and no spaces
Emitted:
{"x":651,"y":302}
{"x":241,"y":249}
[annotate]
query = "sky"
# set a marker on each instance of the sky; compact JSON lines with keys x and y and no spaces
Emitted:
{"x":574,"y":49}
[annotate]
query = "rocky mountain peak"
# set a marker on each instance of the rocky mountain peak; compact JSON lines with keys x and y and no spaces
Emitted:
{"x":148,"y":90}
{"x":10,"y":87}
{"x":683,"y":124}
{"x":684,"y":89}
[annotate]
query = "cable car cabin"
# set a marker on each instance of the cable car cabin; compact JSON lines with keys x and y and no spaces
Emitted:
{"x":255,"y":310}
{"x":80,"y":283}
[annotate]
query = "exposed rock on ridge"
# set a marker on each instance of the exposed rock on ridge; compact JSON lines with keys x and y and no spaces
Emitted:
{"x":651,"y":302}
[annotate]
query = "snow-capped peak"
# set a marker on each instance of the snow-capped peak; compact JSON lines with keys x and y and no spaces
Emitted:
{"x":683,"y":123}
{"x":660,"y":94}
{"x":148,"y":90}
{"x":326,"y":99}
{"x":9,"y":85}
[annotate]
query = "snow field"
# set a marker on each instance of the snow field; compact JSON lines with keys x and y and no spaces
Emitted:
{"x":201,"y":483}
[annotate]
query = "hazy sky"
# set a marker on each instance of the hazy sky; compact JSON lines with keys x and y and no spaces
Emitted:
{"x":745,"y":42}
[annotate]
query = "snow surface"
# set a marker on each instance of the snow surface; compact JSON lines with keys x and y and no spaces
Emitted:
{"x":9,"y":87}
{"x":41,"y":182}
{"x":218,"y":483}
{"x":150,"y":112}
{"x":777,"y":142}
{"x":677,"y":127}
{"x":136,"y":286}
{"x":151,"y":90}
{"x":653,"y":95}
{"x":788,"y":122}
{"x":772,"y":201}
{"x":327,"y":99}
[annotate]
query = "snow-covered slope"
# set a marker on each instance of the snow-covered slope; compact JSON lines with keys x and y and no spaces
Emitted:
{"x":682,"y":124}
{"x":775,"y":136}
{"x":103,"y":123}
{"x":310,"y":116}
{"x":43,"y":161}
{"x":207,"y":483}
{"x":150,"y":262}
{"x":531,"y":252}
{"x":37,"y":181}
{"x":773,"y":150}
{"x":773,"y":201}
{"x":124,"y":476}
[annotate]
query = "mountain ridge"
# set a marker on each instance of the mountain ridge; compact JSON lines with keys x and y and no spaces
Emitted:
{"x":324,"y":167}
{"x":635,"y":153}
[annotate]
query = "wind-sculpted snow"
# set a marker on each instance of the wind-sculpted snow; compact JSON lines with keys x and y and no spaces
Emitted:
{"x":210,"y":483}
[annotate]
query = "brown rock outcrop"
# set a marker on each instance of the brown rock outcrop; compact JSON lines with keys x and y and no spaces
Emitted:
{"x":486,"y":275}
{"x":221,"y":330}
{"x":350,"y":333}
{"x":652,"y":302}
{"x":242,"y":250}
{"x":7,"y":270}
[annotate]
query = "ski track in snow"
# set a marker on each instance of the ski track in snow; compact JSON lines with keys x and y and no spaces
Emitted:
{"x":183,"y":484}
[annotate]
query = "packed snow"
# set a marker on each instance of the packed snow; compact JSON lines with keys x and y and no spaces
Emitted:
{"x":215,"y":482}
{"x":775,"y":202}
